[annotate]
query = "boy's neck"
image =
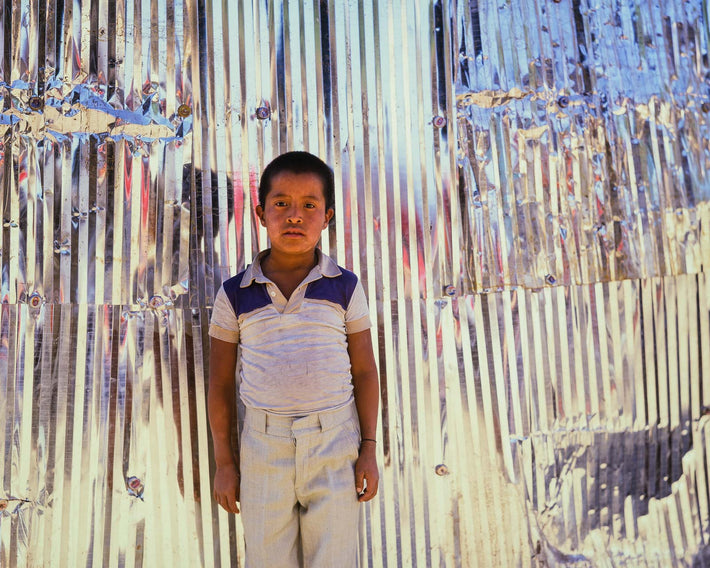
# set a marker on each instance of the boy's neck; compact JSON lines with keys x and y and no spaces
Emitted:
{"x":275,"y":261}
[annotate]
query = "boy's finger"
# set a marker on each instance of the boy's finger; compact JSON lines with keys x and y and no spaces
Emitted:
{"x":366,"y":495}
{"x":231,"y":507}
{"x":370,"y":489}
{"x":359,"y":481}
{"x":229,"y":504}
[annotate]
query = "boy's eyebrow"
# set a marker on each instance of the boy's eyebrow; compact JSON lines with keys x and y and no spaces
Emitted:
{"x":282,"y":195}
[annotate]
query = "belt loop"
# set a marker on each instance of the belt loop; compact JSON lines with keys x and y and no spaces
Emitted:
{"x":257,"y":419}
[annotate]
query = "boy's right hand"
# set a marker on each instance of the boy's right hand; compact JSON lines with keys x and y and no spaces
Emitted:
{"x":226,"y":487}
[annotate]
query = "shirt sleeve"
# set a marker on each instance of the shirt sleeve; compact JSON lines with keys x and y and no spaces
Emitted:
{"x":357,"y":316}
{"x":224,"y":324}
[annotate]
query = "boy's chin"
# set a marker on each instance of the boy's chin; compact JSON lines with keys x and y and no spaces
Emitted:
{"x":294,"y":247}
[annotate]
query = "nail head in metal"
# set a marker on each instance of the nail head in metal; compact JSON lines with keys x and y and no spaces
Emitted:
{"x":262,"y":113}
{"x":184,"y":111}
{"x":3,"y":504}
{"x":156,"y":302}
{"x":450,"y":290}
{"x":441,"y":469}
{"x":439,"y":121}
{"x":705,"y":106}
{"x":35,"y":300}
{"x":36,"y":103}
{"x":563,"y":102}
{"x":550,"y":279}
{"x":135,"y":486}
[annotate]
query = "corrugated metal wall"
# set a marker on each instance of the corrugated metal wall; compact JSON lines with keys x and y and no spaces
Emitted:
{"x":522,"y":187}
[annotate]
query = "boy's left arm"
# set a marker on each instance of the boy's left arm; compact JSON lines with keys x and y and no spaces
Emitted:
{"x":367,"y":397}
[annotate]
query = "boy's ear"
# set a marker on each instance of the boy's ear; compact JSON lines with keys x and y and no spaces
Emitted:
{"x":328,"y":216}
{"x":260,"y":213}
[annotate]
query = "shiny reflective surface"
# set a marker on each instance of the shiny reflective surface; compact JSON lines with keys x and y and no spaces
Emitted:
{"x":522,"y":187}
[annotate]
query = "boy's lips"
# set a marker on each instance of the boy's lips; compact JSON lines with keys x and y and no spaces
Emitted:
{"x":292,"y":233}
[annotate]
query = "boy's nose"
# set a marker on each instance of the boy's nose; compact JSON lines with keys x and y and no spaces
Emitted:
{"x":294,"y":218}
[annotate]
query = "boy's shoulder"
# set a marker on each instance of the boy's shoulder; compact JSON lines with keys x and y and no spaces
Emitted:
{"x":234,"y":281}
{"x":245,"y":299}
{"x":335,"y":287}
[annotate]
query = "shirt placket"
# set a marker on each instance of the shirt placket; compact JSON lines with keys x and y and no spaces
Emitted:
{"x":277,"y":298}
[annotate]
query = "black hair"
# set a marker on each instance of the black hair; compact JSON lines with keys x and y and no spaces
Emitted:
{"x":299,"y":163}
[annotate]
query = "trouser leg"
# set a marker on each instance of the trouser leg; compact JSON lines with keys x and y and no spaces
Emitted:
{"x":325,"y":486}
{"x":267,"y":498}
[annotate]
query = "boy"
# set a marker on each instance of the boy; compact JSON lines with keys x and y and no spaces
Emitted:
{"x":308,"y":382}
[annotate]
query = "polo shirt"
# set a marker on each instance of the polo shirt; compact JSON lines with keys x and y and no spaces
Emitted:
{"x":293,"y":356}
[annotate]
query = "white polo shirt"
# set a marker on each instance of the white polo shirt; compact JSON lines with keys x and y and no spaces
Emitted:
{"x":293,"y":353}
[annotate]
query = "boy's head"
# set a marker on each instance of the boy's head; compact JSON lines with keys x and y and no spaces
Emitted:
{"x":298,"y":163}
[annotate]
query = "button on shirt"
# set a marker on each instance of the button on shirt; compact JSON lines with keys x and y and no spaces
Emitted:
{"x":293,"y":353}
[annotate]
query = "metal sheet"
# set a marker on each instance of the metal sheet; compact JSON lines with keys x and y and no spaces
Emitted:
{"x":522,"y":187}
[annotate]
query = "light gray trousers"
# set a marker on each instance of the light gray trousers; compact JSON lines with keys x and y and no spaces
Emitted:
{"x":297,"y":494}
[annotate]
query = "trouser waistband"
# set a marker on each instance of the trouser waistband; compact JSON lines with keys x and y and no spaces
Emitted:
{"x":278,"y":424}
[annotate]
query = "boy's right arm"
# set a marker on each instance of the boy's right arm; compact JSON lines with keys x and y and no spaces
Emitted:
{"x":221,"y":407}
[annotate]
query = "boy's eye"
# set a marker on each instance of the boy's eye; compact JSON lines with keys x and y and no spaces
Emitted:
{"x":310,"y":205}
{"x":279,"y":203}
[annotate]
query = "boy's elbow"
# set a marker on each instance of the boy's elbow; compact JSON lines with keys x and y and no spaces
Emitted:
{"x":368,"y":377}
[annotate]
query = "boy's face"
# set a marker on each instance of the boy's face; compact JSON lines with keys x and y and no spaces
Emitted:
{"x":294,"y":212}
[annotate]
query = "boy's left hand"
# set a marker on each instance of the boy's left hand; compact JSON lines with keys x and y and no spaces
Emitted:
{"x":367,"y":476}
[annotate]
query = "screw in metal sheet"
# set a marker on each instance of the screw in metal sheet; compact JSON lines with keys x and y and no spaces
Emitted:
{"x":35,"y":300}
{"x":156,"y":302}
{"x":263,"y":112}
{"x":550,"y":279}
{"x":3,"y":504}
{"x":439,"y":121}
{"x":450,"y":290}
{"x":36,"y":103}
{"x":135,"y":486}
{"x":705,"y":106}
{"x":184,"y":110}
{"x":441,"y":469}
{"x":563,"y":101}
